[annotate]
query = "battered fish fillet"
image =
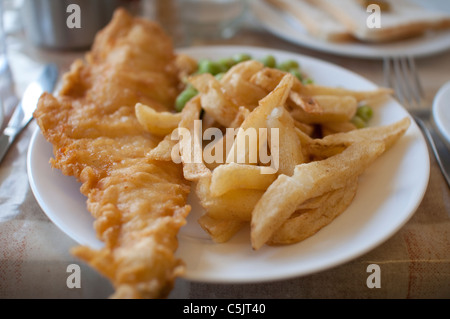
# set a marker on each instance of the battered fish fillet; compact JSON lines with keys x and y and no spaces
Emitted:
{"x":138,"y":205}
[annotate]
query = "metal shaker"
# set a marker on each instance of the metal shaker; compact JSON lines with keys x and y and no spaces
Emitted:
{"x":66,"y":24}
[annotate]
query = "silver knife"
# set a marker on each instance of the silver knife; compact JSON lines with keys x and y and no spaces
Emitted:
{"x":439,"y":148}
{"x":24,"y":111}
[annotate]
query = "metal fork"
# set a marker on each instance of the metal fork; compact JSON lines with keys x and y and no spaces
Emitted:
{"x":400,"y":74}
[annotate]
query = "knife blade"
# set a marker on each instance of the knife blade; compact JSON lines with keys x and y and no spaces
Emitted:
{"x":24,"y":111}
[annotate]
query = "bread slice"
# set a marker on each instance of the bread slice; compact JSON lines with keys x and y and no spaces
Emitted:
{"x":317,"y":22}
{"x":401,"y":20}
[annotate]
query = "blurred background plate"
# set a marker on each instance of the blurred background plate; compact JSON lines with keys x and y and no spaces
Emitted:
{"x":286,"y":27}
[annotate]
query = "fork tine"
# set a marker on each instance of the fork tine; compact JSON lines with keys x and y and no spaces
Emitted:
{"x":387,"y":72}
{"x":399,"y":83}
{"x":400,"y":73}
{"x":412,"y":80}
{"x":419,"y":92}
{"x":406,"y":74}
{"x":390,"y":77}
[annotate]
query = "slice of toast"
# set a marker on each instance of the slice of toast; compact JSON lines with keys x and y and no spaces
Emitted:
{"x":316,"y":21}
{"x":402,"y":19}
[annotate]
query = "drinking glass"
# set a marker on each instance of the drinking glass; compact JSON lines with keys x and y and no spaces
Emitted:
{"x":211,"y":19}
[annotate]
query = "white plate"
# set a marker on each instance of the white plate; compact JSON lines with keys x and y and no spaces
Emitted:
{"x":2,"y":114}
{"x":441,"y":110}
{"x":389,"y":193}
{"x":286,"y":27}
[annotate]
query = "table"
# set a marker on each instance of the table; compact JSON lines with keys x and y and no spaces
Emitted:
{"x":35,"y":257}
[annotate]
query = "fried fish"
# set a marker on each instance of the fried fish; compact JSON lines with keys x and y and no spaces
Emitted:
{"x":139,"y":205}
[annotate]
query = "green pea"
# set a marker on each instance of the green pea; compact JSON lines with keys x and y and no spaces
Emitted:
{"x":219,"y":76}
{"x":226,"y":63}
{"x":365,"y":112}
{"x":288,"y":65}
{"x":358,"y":122}
{"x":208,"y":66}
{"x":269,"y":61}
{"x":308,"y":81}
{"x":297,"y":74}
{"x":241,"y":57}
{"x":184,"y":97}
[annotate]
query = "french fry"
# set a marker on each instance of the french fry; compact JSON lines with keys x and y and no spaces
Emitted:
{"x":290,"y":147}
{"x":220,"y":230}
{"x":244,"y":70}
{"x":269,"y":78}
{"x":236,"y":204}
{"x":335,"y":143}
{"x":363,"y":95}
{"x":244,"y":93}
{"x":307,"y":129}
{"x":213,"y":100}
{"x":308,"y":104}
{"x":305,"y":139}
{"x":208,"y":121}
{"x":257,"y":119}
{"x":332,"y":109}
{"x":305,"y":222}
{"x":233,"y":176}
{"x":214,"y":152}
{"x":240,"y":117}
{"x":191,"y":154}
{"x":313,"y":203}
{"x":337,"y":127}
{"x":237,"y":86}
{"x":158,"y":123}
{"x":309,"y":180}
{"x":163,"y":151}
